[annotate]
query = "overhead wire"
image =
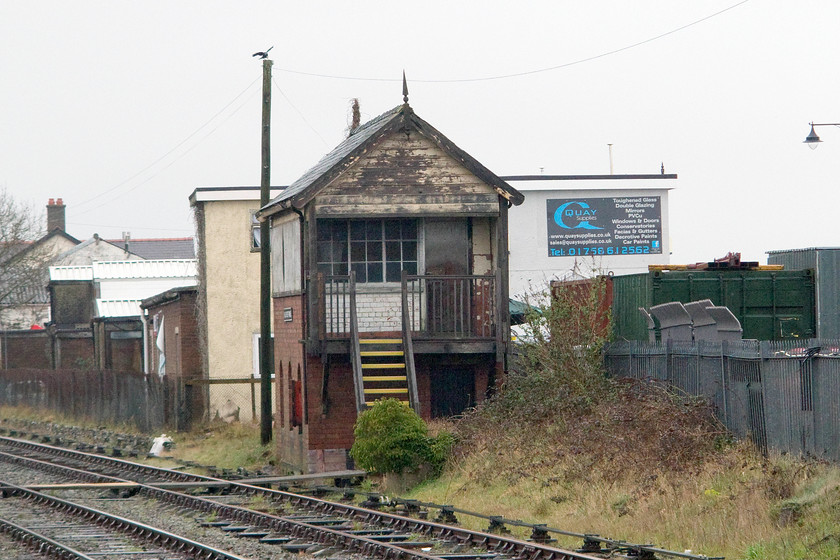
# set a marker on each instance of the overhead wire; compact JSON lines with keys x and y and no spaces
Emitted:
{"x":168,"y":153}
{"x":525,"y":72}
{"x":133,"y":228}
{"x":292,"y":105}
{"x":356,"y":78}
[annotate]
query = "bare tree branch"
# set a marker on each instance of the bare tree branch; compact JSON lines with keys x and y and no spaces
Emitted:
{"x":25,"y":255}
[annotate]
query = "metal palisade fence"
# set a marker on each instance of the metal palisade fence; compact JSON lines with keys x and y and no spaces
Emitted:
{"x":784,"y":395}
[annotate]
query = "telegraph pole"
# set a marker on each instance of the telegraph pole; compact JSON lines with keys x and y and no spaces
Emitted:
{"x":266,"y":346}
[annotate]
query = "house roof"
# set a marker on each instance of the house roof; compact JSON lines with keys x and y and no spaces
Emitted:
{"x":160,"y":268}
{"x":28,"y":294}
{"x":177,"y":248}
{"x":362,"y":140}
{"x":71,"y":273}
{"x":19,"y":248}
{"x":169,"y":295}
{"x":72,"y":255}
{"x":58,"y":232}
{"x":118,"y":307}
{"x":139,"y":269}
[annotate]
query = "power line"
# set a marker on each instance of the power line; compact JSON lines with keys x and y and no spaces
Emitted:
{"x":130,"y":227}
{"x":174,"y":161}
{"x":289,"y":101}
{"x":155,"y":162}
{"x":525,"y":72}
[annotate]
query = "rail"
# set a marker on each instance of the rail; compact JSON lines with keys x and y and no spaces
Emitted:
{"x":453,"y":306}
{"x":297,"y":527}
{"x":540,"y":532}
{"x":356,"y":353}
{"x":408,"y":347}
{"x":460,"y":307}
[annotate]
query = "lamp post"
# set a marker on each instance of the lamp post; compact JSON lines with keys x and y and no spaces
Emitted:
{"x":812,"y":139}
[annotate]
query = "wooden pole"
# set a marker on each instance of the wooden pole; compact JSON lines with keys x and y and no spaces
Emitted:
{"x":266,"y":354}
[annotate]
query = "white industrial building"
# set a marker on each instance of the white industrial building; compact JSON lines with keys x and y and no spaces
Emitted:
{"x":120,"y":286}
{"x":582,"y":225}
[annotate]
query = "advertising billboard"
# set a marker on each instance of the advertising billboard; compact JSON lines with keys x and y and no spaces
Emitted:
{"x":625,"y":225}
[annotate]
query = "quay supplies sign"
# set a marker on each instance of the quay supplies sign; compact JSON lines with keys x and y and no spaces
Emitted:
{"x":580,"y":227}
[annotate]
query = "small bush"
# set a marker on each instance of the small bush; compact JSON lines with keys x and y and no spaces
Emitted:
{"x":391,"y":438}
{"x":440,"y":448}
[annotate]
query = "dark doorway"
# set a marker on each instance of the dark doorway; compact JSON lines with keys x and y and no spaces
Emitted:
{"x":447,"y":254}
{"x":453,"y":390}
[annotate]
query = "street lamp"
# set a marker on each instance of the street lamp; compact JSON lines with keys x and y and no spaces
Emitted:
{"x":812,"y":139}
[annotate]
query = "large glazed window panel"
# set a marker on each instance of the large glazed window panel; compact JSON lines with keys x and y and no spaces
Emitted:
{"x":376,"y":250}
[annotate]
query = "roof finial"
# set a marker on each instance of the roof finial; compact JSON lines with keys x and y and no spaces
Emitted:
{"x":405,"y":89}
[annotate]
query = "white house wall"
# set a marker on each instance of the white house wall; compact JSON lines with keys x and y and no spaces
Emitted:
{"x":231,"y":288}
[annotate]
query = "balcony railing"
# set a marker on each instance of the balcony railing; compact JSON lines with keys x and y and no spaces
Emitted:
{"x":437,"y":307}
{"x":452,"y":306}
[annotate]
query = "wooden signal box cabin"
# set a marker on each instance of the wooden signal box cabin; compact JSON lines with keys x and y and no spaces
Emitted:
{"x":389,"y":279}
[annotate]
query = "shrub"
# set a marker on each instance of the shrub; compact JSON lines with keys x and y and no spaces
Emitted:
{"x":559,"y":362}
{"x":390,"y":438}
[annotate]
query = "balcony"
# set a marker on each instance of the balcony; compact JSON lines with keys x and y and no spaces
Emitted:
{"x":445,"y":314}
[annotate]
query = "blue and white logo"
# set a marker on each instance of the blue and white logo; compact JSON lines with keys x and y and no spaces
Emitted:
{"x":575,"y":215}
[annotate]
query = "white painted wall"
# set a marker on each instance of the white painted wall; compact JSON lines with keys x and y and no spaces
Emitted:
{"x":531,"y":267}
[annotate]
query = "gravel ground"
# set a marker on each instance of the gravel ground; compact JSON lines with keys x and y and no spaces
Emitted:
{"x":150,"y":512}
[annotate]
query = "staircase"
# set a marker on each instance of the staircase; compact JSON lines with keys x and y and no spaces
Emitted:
{"x":383,"y":370}
{"x":382,"y":367}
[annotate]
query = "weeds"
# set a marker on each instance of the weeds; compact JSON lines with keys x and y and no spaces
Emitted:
{"x":564,"y":445}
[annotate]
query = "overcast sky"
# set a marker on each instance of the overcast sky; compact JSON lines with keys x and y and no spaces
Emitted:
{"x":123,"y":108}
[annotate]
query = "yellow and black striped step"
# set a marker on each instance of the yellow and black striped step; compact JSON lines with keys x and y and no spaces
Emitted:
{"x":383,"y":364}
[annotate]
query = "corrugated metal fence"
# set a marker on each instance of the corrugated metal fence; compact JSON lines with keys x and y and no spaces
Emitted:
{"x":785,"y":395}
{"x":144,"y":401}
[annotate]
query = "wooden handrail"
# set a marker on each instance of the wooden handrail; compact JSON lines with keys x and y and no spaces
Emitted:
{"x":355,"y":350}
{"x":408,"y":348}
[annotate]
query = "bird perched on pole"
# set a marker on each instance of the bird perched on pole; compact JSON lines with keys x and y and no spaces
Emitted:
{"x":263,"y":54}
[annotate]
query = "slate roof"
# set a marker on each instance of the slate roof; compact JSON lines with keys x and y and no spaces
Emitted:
{"x":360,"y":141}
{"x":28,"y":294}
{"x":68,"y":256}
{"x":178,"y":248}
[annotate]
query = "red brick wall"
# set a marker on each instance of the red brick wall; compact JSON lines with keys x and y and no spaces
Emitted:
{"x":74,"y":353}
{"x":190,"y":352}
{"x":333,"y":430}
{"x":183,"y":353}
{"x":322,"y":440}
{"x":25,"y":349}
{"x":289,"y":370}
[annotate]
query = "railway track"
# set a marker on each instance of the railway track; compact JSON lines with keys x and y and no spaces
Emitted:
{"x":292,"y":522}
{"x":63,"y":529}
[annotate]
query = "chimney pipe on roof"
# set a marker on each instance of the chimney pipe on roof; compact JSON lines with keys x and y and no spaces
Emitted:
{"x":355,"y":116}
{"x":55,"y":215}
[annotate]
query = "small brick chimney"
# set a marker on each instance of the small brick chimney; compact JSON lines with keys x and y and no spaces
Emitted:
{"x":55,"y":215}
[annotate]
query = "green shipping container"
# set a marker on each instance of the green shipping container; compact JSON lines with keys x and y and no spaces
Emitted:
{"x":770,"y":304}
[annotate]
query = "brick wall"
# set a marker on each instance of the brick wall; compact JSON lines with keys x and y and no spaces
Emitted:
{"x":72,"y":302}
{"x":180,"y":336}
{"x":25,"y":349}
{"x":321,"y":439}
{"x":291,"y":432}
{"x":74,"y":351}
{"x":378,"y":311}
{"x":331,"y":422}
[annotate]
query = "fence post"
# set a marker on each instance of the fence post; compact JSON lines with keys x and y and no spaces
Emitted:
{"x":669,"y":367}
